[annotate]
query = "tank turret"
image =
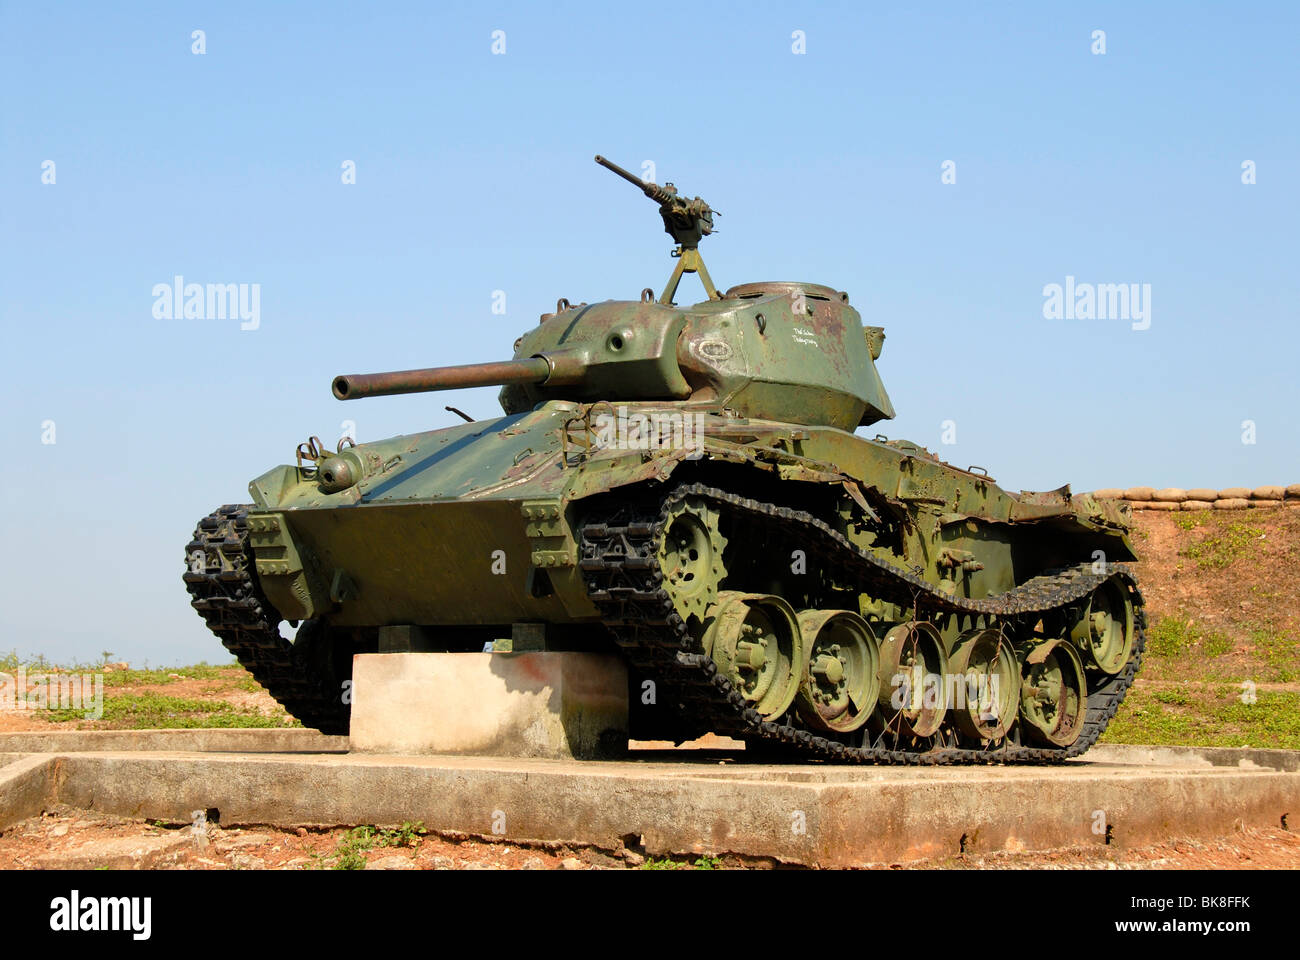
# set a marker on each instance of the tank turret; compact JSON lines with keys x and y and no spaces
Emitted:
{"x":795,"y":352}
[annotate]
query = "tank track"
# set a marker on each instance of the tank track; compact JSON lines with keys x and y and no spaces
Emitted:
{"x":624,"y":581}
{"x":219,"y":577}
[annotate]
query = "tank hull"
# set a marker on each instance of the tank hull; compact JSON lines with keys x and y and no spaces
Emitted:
{"x":482,"y":511}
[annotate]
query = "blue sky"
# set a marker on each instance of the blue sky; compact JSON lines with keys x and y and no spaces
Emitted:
{"x":474,"y":174}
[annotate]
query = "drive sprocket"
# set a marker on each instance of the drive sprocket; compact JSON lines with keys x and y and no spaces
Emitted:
{"x":690,"y":556}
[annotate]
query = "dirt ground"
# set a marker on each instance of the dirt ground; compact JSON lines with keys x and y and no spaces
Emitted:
{"x":75,"y":839}
{"x":69,"y":838}
{"x":1230,"y":571}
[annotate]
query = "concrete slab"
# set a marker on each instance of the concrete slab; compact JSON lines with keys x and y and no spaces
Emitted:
{"x":119,"y":853}
{"x":1246,"y":757}
{"x":697,"y":803}
{"x":537,"y":704}
{"x":27,"y":786}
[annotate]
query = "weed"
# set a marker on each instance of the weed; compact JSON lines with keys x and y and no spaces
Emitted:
{"x":1191,"y":520}
{"x":352,"y":847}
{"x":1222,"y":549}
{"x":146,"y":711}
{"x":1279,"y":653}
{"x":1176,"y":637}
{"x":1210,"y":715}
{"x":668,"y":863}
{"x":407,"y":835}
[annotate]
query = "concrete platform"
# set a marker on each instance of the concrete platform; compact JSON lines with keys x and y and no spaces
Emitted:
{"x":697,"y":803}
{"x":561,"y":705}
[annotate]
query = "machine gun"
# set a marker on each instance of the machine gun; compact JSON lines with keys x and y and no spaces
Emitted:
{"x":686,"y":221}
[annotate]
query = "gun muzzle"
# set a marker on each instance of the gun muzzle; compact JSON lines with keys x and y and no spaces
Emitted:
{"x":625,"y":174}
{"x":651,"y":190}
{"x":353,"y":385}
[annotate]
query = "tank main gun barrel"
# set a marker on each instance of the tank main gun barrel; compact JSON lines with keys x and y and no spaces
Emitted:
{"x":353,"y":385}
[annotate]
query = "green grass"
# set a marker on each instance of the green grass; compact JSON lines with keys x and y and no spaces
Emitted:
{"x":1178,"y":697}
{"x":1180,"y":649}
{"x":1232,"y":541}
{"x":1177,"y":637}
{"x":1213,"y":716}
{"x":162,"y":675}
{"x":1279,"y":653}
{"x":1190,"y":521}
{"x":150,"y":711}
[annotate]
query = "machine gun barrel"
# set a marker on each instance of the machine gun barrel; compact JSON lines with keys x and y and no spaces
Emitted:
{"x":651,"y":190}
{"x":353,"y":385}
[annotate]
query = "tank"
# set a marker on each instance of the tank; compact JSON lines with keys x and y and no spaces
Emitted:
{"x":692,"y":487}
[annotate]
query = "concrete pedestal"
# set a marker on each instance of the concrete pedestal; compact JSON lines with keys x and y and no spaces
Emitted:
{"x":544,"y":704}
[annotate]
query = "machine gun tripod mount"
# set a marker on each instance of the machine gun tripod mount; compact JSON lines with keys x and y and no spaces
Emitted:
{"x":686,"y":221}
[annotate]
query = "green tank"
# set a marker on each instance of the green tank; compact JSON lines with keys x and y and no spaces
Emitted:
{"x":686,"y":485}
